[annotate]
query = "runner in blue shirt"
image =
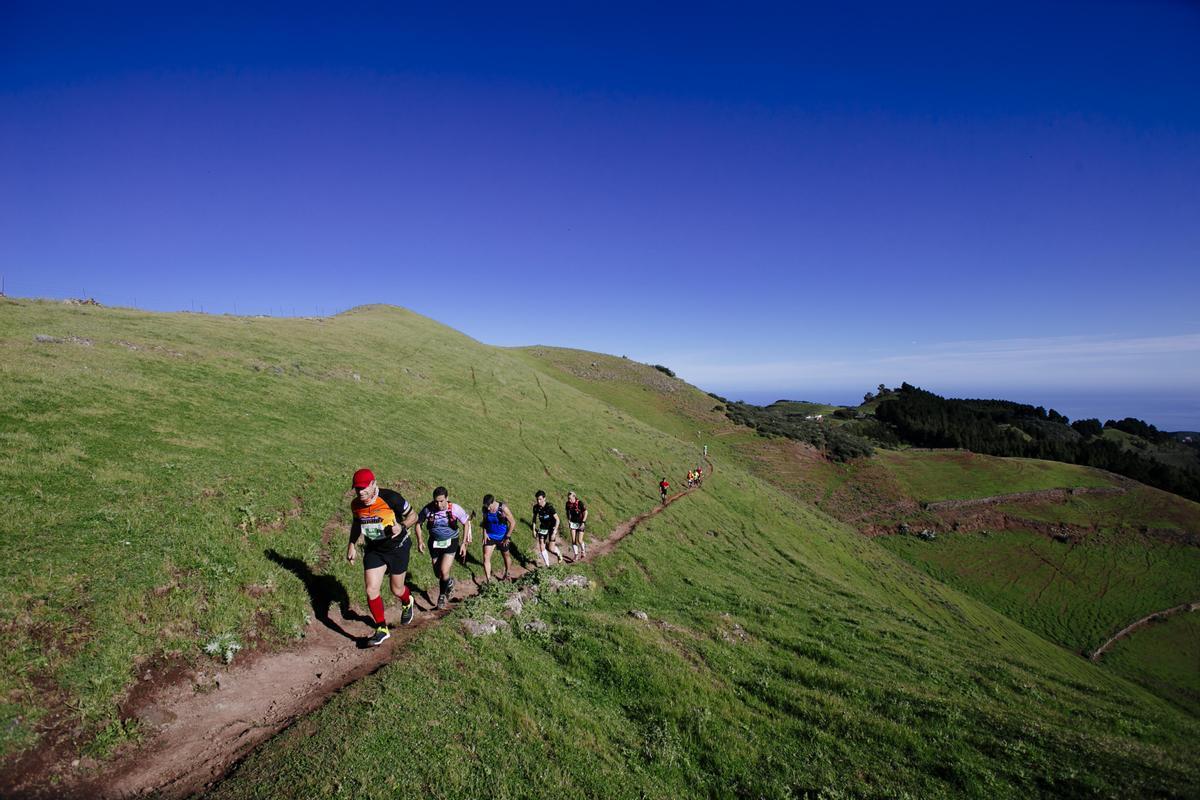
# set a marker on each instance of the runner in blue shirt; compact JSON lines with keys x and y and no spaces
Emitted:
{"x":498,"y":524}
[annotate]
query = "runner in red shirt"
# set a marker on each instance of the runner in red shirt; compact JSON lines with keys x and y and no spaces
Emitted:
{"x":663,"y":485}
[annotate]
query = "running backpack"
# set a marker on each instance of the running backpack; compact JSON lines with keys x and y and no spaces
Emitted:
{"x":451,"y":520}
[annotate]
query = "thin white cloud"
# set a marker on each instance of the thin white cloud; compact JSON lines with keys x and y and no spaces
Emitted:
{"x":1067,"y":362}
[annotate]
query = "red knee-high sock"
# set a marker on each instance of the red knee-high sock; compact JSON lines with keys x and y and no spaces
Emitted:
{"x":376,"y":604}
{"x":405,"y":595}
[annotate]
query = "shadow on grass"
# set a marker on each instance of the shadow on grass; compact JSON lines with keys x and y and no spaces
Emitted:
{"x":323,"y":592}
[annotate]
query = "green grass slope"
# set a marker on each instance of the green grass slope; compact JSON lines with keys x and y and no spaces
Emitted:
{"x":1074,"y":593}
{"x":1165,"y":656}
{"x":930,"y":476}
{"x":155,"y":461}
{"x":781,"y":655}
{"x":158,"y":460}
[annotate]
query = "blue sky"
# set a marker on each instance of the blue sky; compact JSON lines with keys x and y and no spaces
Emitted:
{"x":997,"y":199}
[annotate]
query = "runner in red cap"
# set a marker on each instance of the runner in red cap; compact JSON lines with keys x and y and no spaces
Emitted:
{"x":382,"y":517}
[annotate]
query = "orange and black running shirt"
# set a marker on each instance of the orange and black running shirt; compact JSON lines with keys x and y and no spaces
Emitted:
{"x":378,"y":520}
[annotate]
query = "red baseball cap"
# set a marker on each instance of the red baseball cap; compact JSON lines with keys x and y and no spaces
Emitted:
{"x":362,"y":478}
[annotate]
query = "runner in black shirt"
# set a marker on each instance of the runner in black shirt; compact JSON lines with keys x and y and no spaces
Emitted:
{"x":545,"y":528}
{"x":576,"y":518}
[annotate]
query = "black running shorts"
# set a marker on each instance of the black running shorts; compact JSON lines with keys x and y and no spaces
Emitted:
{"x":395,"y":559}
{"x":499,"y":544}
{"x":447,"y":547}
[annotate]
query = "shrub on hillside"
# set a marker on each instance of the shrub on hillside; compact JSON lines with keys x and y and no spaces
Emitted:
{"x":836,"y":442}
{"x":664,"y":370}
{"x":874,"y":431}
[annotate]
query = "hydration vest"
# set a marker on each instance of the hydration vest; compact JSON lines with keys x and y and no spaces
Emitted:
{"x":495,"y":524}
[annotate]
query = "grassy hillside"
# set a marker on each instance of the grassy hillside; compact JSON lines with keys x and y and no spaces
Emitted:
{"x":1109,"y":572}
{"x":163,"y":459}
{"x":157,"y":461}
{"x":780,"y":655}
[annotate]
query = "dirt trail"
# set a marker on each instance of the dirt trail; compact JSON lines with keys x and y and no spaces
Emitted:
{"x":1141,"y":623}
{"x":207,"y":720}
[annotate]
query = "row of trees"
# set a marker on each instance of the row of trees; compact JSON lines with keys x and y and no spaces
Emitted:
{"x":1002,"y":428}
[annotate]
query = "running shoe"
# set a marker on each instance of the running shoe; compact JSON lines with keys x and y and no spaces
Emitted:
{"x":406,"y":611}
{"x":441,"y":603}
{"x":380,"y":636}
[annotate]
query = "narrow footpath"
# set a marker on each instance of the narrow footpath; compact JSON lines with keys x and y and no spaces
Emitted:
{"x":203,"y":723}
{"x":1141,"y":623}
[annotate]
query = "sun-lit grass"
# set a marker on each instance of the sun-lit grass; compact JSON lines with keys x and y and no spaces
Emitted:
{"x":781,"y":655}
{"x":958,"y":474}
{"x":166,"y":478}
{"x":156,"y":462}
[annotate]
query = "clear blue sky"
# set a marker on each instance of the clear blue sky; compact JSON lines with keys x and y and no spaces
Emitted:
{"x":996,"y":199}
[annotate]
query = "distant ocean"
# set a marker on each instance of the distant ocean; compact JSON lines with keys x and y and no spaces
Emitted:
{"x":1168,"y":411}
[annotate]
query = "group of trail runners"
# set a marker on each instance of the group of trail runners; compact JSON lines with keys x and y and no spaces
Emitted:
{"x":694,"y":478}
{"x":381,"y":518}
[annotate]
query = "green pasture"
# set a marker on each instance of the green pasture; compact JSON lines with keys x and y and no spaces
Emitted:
{"x":1164,"y":656}
{"x":932,"y":475}
{"x":1141,"y":506}
{"x":1076,"y":594}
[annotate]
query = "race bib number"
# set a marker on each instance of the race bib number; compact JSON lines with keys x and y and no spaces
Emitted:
{"x":373,"y":530}
{"x":441,"y":544}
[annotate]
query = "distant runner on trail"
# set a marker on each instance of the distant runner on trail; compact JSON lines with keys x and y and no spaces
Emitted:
{"x":699,"y":479}
{"x":383,"y":518}
{"x":576,"y":518}
{"x":498,"y":524}
{"x":663,"y":485}
{"x":545,"y":528}
{"x":443,"y":520}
